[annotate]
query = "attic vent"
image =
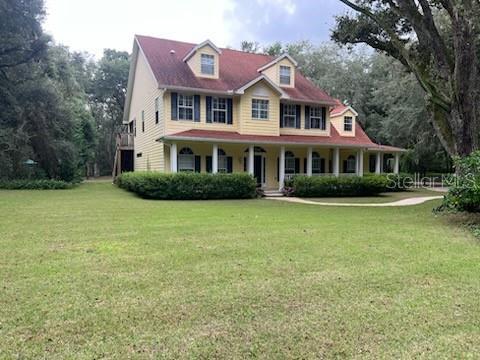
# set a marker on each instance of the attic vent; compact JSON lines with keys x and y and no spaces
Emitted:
{"x":172,"y":52}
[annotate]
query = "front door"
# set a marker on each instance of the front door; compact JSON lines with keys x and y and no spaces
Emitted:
{"x":258,"y":169}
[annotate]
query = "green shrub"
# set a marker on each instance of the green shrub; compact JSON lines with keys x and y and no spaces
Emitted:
{"x":396,"y":182}
{"x":328,"y":186}
{"x":464,"y":191}
{"x":44,"y":184}
{"x":188,"y":186}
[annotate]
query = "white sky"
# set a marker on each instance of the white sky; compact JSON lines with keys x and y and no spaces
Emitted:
{"x":92,"y":25}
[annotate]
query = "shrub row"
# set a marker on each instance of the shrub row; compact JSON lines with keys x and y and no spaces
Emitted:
{"x":188,"y":186}
{"x":396,"y":182}
{"x":43,"y":184}
{"x":328,"y":186}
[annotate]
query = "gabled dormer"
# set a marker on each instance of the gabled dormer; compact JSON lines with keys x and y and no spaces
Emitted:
{"x":204,"y":60}
{"x":281,"y":71}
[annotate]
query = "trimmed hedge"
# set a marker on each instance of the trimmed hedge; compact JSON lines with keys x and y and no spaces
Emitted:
{"x":396,"y":182}
{"x":188,"y":186}
{"x":332,"y":186}
{"x":44,"y":184}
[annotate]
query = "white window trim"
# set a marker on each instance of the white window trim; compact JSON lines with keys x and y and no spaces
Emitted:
{"x":190,"y":157}
{"x":321,"y":120}
{"x":290,"y":115}
{"x":351,"y":164}
{"x":207,"y":56}
{"x":219,"y":110}
{"x":318,"y":160}
{"x":185,"y":107}
{"x":292,"y":160}
{"x":261,"y":111}
{"x":345,"y":118}
{"x":289,"y":75}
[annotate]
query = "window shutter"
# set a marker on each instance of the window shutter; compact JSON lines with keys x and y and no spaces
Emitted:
{"x":229,"y":164}
{"x":174,"y":101}
{"x":196,"y":107}
{"x":281,"y":115}
{"x":324,"y":114}
{"x":322,"y":165}
{"x":229,"y":111}
{"x":244,"y":164}
{"x":297,"y":166}
{"x":198,"y":163}
{"x":208,"y":163}
{"x":264,"y":169}
{"x":208,"y":100}
{"x":344,"y":166}
{"x":307,"y":117}
{"x":304,"y":165}
{"x":278,"y":169}
{"x":298,"y":118}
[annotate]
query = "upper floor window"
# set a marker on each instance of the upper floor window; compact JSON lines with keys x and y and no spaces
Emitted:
{"x":157,"y":110}
{"x":186,"y":160}
{"x":260,"y":109}
{"x":285,"y":75}
{"x":317,"y":119}
{"x":185,"y":107}
{"x":207,"y":64}
{"x":289,"y":116}
{"x":347,"y":123}
{"x":219,"y":110}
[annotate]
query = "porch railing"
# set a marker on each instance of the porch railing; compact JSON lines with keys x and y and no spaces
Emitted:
{"x":290,"y":176}
{"x":125,"y":140}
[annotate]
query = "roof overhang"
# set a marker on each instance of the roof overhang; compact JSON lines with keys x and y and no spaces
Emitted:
{"x":278,"y":89}
{"x":199,"y":46}
{"x":276,"y":60}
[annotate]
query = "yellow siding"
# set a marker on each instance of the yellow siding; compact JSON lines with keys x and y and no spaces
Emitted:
{"x":255,"y":126}
{"x":273,"y":72}
{"x":337,"y":122}
{"x":303,"y":131}
{"x":144,"y":93}
{"x":175,"y":126}
{"x":195,"y":62}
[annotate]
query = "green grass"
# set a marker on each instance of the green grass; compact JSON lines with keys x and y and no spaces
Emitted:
{"x":381,"y":198}
{"x":95,"y":272}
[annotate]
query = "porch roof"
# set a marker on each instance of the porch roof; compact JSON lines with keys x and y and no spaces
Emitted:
{"x":360,"y":140}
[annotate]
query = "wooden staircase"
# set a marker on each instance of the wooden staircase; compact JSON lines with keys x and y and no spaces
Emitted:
{"x":123,"y":160}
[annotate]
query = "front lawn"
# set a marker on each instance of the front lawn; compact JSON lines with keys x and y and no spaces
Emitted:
{"x":96,"y":272}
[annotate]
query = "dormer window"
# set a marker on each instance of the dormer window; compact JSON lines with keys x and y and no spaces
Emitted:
{"x":207,"y":64}
{"x":347,"y":123}
{"x":285,"y":75}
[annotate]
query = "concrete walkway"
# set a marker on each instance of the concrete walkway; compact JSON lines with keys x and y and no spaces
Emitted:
{"x":403,"y":202}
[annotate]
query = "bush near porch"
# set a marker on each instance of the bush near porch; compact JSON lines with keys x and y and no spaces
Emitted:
{"x":325,"y":186}
{"x":188,"y":186}
{"x":35,"y":184}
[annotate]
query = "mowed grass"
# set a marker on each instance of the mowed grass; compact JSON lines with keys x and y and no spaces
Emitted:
{"x":381,"y":198}
{"x":96,"y":272}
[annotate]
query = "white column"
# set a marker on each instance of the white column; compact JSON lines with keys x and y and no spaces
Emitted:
{"x":173,"y":158}
{"x":215,"y":159}
{"x":309,"y":161}
{"x":378,"y":163}
{"x":251,"y":154}
{"x":360,"y":163}
{"x":336,"y":161}
{"x":396,"y":167}
{"x":281,"y":170}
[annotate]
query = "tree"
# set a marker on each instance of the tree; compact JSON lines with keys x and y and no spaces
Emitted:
{"x":439,"y":42}
{"x":250,"y":46}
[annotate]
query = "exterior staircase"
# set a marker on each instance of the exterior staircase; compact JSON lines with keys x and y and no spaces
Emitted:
{"x":273,"y":193}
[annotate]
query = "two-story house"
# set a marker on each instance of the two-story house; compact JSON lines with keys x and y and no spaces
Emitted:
{"x":200,"y":108}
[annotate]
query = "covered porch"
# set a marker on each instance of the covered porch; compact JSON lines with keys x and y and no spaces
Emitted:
{"x":272,"y":164}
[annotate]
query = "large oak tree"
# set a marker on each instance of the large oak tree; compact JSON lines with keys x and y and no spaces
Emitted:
{"x":439,"y":42}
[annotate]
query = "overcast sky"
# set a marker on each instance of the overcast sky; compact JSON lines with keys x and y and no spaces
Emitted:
{"x":92,"y":25}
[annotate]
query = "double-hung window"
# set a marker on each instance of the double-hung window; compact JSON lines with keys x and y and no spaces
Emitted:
{"x":285,"y":75}
{"x":222,"y":161}
{"x":347,"y":123}
{"x":317,"y":121}
{"x":289,"y":116}
{"x":186,"y":160}
{"x":289,"y":162}
{"x":219,"y":110}
{"x":185,"y":107}
{"x":316,"y":163}
{"x":207,"y":64}
{"x":260,"y":109}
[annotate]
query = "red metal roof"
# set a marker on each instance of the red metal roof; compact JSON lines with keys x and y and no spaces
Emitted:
{"x":360,"y":140}
{"x":237,"y":68}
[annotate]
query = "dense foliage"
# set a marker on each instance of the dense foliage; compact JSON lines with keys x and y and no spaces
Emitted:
{"x":44,"y":184}
{"x":188,"y":186}
{"x":50,"y":122}
{"x":328,"y":186}
{"x":464,"y":192}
